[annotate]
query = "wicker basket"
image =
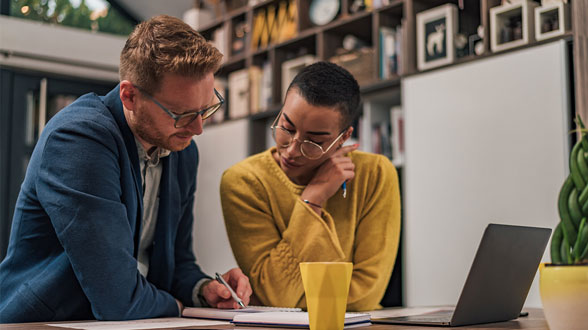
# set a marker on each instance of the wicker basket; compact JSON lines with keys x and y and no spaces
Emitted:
{"x":359,"y":63}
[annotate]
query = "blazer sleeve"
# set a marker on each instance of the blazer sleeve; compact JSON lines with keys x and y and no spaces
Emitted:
{"x":187,"y":273}
{"x":79,"y":186}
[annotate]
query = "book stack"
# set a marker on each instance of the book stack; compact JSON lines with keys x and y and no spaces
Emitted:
{"x":269,"y":316}
{"x":390,"y":51}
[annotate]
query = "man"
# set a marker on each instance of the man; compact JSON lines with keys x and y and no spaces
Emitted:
{"x":103,"y":222}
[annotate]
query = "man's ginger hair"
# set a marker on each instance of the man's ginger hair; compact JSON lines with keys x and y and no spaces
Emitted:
{"x":165,"y":44}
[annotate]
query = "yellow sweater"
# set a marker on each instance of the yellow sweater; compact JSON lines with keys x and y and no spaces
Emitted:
{"x":271,"y":230}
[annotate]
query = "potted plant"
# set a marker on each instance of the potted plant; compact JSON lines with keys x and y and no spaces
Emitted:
{"x":564,"y":282}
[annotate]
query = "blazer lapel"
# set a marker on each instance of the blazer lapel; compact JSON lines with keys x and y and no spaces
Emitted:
{"x":162,"y":255}
{"x":114,"y":104}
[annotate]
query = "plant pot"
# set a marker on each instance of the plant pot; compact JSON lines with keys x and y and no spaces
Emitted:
{"x":564,"y":293}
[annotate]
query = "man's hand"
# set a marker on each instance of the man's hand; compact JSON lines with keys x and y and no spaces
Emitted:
{"x":330,"y":176}
{"x":218,"y":296}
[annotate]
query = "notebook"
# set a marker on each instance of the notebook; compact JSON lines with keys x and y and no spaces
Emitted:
{"x":294,"y":320}
{"x":498,"y":282}
{"x":228,"y":314}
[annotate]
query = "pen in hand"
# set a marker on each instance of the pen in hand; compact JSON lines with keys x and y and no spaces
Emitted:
{"x":221,"y":280}
{"x":344,"y":187}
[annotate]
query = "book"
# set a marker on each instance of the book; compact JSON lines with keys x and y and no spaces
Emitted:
{"x":397,"y":123}
{"x":255,"y":76}
{"x":388,"y":61}
{"x":238,"y":101}
{"x":228,"y":314}
{"x":265,"y":98}
{"x":294,"y":320}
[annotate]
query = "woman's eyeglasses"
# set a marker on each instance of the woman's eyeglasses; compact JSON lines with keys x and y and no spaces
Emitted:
{"x":309,"y":149}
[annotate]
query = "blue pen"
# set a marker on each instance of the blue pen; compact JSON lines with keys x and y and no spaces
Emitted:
{"x":344,"y":187}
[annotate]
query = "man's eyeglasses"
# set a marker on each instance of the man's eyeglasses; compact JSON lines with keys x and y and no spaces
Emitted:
{"x":309,"y":149}
{"x":185,"y":119}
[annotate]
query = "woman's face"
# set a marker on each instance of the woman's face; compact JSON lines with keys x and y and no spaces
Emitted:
{"x":321,"y":125}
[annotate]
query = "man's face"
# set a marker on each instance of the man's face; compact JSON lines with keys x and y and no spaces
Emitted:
{"x":154,"y":127}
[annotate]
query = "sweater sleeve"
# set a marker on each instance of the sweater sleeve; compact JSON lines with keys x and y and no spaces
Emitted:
{"x":268,"y":257}
{"x":376,"y":238}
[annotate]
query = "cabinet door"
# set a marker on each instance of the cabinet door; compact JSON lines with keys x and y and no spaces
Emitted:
{"x":33,"y":100}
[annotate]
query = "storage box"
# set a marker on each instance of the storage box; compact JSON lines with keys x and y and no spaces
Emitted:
{"x":290,"y":69}
{"x":360,"y":63}
{"x":238,"y":94}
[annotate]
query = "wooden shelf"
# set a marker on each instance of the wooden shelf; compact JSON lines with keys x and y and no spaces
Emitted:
{"x":262,"y":4}
{"x":238,"y":12}
{"x":345,"y":20}
{"x":392,"y":4}
{"x":567,"y":36}
{"x":323,"y":42}
{"x":269,"y":113}
{"x":217,"y":22}
{"x":381,"y":85}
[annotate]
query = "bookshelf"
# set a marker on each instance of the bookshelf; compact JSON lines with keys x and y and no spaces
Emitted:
{"x":290,"y":33}
{"x":381,"y":93}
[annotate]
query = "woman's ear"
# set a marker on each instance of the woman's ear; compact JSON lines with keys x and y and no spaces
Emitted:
{"x":346,"y":135}
{"x":128,"y":95}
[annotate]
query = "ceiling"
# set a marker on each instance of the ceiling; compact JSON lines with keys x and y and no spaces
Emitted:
{"x":143,"y":9}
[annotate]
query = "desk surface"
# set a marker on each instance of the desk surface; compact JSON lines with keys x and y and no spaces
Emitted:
{"x":535,"y":321}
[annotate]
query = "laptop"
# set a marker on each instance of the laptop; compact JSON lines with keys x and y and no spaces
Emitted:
{"x":498,"y":282}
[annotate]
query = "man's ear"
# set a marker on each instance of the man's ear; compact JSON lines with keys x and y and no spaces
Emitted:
{"x":128,"y":95}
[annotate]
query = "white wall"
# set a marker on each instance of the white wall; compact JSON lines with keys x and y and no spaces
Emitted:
{"x":220,"y":146}
{"x":59,"y":49}
{"x":486,"y":142}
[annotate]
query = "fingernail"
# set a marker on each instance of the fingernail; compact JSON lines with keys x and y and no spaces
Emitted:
{"x":240,"y":293}
{"x":356,"y":145}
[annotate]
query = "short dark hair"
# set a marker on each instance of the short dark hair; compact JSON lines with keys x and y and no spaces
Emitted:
{"x":326,"y":84}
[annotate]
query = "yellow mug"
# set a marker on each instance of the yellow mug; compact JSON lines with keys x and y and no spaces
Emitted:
{"x":326,"y":285}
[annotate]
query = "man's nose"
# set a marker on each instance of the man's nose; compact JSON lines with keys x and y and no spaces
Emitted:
{"x":195,"y":126}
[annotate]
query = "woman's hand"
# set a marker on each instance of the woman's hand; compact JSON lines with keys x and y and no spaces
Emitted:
{"x":330,"y":176}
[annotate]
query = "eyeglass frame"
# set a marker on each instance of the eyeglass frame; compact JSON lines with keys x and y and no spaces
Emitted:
{"x":195,"y":113}
{"x":292,"y":138}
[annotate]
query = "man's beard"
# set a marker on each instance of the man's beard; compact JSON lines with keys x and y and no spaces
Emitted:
{"x":145,"y":128}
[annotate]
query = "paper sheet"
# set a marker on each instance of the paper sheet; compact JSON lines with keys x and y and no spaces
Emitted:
{"x":406,"y":311}
{"x":158,"y":323}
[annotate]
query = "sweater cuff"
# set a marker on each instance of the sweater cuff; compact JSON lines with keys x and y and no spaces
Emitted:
{"x":197,"y":299}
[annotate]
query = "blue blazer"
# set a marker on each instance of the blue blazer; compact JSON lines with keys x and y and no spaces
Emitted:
{"x":75,"y":233}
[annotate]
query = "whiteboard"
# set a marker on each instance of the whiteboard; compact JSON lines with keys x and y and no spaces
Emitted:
{"x":486,"y":141}
{"x":220,"y":146}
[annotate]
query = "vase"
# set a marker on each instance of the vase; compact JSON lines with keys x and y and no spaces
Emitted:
{"x":564,"y":294}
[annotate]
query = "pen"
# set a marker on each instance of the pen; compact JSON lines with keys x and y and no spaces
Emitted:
{"x":233,"y":294}
{"x":344,"y":187}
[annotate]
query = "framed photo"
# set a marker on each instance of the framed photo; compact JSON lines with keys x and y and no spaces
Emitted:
{"x":435,"y":31}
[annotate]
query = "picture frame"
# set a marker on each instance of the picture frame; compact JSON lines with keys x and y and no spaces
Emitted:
{"x":436,"y":29}
{"x":552,"y":20}
{"x":511,"y":25}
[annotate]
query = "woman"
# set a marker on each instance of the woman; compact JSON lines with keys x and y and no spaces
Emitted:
{"x":312,"y":199}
